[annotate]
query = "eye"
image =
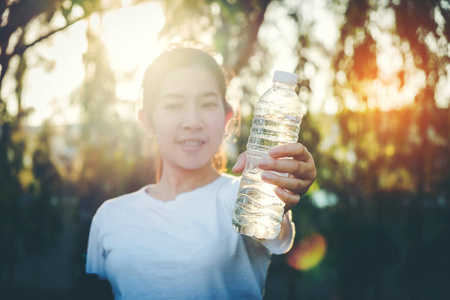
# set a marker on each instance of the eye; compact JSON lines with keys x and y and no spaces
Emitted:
{"x":209,"y":104}
{"x":171,"y":101}
{"x":209,"y":101}
{"x":172,"y":105}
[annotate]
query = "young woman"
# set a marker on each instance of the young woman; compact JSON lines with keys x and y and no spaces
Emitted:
{"x":174,"y":239}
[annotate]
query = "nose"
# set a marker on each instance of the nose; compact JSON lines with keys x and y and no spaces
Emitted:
{"x":192,"y":119}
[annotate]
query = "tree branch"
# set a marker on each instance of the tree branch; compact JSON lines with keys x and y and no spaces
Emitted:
{"x":252,"y":36}
{"x":5,"y":58}
{"x":23,"y":48}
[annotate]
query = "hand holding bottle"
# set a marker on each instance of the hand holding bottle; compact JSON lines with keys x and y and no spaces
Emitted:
{"x":301,"y":169}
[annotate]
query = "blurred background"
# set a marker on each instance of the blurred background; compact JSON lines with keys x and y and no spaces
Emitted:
{"x":375,"y":86}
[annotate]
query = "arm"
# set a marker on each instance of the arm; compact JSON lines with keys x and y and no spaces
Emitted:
{"x":284,"y":240}
{"x":301,"y":170}
{"x":302,"y":173}
{"x":95,"y":261}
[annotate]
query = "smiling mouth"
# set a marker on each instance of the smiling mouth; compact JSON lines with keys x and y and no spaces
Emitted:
{"x":191,"y":143}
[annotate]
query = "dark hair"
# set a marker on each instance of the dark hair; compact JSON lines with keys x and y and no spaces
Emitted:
{"x":176,"y":57}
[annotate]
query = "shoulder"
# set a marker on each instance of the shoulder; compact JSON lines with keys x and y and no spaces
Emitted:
{"x":228,"y":185}
{"x":227,"y":181}
{"x":227,"y":190}
{"x":116,"y":206}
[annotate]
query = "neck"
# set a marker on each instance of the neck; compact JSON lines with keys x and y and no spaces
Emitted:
{"x":176,"y":181}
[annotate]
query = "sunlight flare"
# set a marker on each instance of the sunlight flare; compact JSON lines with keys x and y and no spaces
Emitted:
{"x":308,"y":253}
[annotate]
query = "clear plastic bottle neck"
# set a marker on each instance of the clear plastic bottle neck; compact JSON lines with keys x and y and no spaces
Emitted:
{"x":283,"y":85}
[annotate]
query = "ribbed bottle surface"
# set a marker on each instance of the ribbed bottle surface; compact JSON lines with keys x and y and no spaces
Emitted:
{"x":277,"y":118}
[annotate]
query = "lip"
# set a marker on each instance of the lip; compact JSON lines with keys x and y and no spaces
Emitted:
{"x":191,"y":144}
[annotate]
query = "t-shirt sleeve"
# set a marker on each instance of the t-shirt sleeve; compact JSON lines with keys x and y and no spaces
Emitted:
{"x":283,"y":242}
{"x":95,"y":260}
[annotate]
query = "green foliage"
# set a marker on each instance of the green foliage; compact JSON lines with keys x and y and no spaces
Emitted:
{"x":10,"y":192}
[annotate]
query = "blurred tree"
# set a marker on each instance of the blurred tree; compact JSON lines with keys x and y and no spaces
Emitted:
{"x":41,"y":216}
{"x":17,"y":17}
{"x":20,"y":18}
{"x":232,"y":25}
{"x":392,"y":151}
{"x":12,"y":150}
{"x":20,"y":218}
{"x":405,"y":149}
{"x":114,"y":158}
{"x":11,"y":153}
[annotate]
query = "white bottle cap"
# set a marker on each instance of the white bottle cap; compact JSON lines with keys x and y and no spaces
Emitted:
{"x":285,"y":77}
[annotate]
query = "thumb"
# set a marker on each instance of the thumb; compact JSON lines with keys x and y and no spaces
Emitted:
{"x":240,"y":163}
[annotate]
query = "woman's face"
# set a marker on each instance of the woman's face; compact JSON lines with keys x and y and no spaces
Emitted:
{"x":188,"y":118}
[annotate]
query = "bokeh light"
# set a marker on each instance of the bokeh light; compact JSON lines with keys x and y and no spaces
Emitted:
{"x":307,"y":253}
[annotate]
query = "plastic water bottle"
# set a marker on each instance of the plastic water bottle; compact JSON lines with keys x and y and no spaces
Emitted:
{"x":276,"y":120}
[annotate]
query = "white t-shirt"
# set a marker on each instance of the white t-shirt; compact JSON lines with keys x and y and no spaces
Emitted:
{"x":180,"y":249}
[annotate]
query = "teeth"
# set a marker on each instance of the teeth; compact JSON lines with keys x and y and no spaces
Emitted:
{"x":192,"y":143}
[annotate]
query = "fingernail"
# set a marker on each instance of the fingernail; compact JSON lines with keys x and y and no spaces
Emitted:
{"x":238,"y":162}
{"x":279,"y":190}
{"x":267,"y":175}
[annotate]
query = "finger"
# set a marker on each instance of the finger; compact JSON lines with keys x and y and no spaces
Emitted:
{"x":300,"y":169}
{"x":290,"y":199}
{"x":240,"y":163}
{"x":295,"y":185}
{"x":294,"y":150}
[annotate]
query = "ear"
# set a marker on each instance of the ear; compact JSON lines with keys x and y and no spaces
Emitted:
{"x":228,"y":112}
{"x":145,"y":122}
{"x":228,"y":116}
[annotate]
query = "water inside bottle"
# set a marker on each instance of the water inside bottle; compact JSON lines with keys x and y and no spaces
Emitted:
{"x":277,"y":118}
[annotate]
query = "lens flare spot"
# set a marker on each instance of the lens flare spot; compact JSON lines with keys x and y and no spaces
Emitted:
{"x":389,"y":150}
{"x":308,"y":253}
